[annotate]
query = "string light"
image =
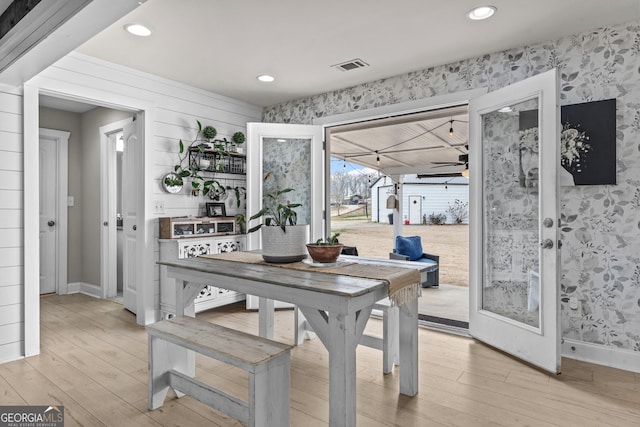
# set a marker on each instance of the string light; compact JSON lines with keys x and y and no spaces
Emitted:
{"x":392,"y":148}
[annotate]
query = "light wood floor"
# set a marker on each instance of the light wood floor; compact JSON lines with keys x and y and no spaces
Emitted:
{"x":94,"y":362}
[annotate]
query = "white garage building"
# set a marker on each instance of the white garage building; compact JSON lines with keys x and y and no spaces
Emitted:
{"x":421,"y":197}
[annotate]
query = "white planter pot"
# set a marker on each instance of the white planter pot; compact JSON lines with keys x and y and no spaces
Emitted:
{"x":282,"y":247}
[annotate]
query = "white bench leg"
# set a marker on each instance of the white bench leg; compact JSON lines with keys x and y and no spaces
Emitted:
{"x":269,"y":393}
{"x":164,"y":356}
{"x":390,"y":339}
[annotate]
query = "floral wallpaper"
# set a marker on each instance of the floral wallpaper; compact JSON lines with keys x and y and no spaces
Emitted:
{"x":600,"y":223}
{"x":289,"y":161}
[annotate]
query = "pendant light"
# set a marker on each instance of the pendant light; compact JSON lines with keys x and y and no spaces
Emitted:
{"x":451,"y":128}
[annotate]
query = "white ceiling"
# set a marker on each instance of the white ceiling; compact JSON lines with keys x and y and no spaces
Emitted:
{"x":222,"y":45}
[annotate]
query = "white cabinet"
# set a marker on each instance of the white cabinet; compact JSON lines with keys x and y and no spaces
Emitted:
{"x":210,"y":295}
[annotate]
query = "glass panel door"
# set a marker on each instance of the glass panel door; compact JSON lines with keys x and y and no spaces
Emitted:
{"x":514,"y":161}
{"x":293,"y":156}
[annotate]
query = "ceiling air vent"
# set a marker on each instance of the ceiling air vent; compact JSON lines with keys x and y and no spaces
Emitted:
{"x":351,"y":65}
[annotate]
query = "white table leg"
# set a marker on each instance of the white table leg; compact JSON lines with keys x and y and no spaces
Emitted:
{"x":186,"y":293}
{"x":340,"y":334}
{"x":409,"y":348}
{"x":266,"y":317}
{"x":342,"y":370}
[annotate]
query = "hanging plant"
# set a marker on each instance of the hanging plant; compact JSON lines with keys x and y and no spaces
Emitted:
{"x":206,"y":185}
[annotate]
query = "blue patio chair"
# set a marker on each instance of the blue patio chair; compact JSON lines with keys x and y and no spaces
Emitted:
{"x":410,"y":249}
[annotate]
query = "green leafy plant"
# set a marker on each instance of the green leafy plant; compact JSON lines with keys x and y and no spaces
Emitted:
{"x":238,"y":138}
{"x":329,"y":240}
{"x":209,"y":132}
{"x":208,"y":185}
{"x":276,"y":210}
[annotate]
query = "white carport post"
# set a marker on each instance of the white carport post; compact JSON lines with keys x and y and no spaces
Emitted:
{"x":397,"y":213}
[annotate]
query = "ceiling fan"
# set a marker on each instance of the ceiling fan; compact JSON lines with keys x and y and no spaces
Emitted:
{"x":463,"y":160}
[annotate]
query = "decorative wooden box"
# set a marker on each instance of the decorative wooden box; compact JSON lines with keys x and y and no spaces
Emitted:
{"x":181,"y":227}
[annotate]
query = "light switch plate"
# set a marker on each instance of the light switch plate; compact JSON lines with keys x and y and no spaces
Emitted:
{"x":159,"y":207}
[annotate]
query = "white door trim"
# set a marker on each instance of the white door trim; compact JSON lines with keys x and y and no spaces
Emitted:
{"x":385,"y":111}
{"x":147,"y":312}
{"x":61,"y":139}
{"x":108,"y":203}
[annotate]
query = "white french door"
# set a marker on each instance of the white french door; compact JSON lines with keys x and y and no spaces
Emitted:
{"x":294,"y":156}
{"x":514,"y":159}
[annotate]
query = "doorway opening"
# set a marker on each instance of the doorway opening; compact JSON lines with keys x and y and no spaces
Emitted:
{"x":416,"y":161}
{"x":90,"y":259}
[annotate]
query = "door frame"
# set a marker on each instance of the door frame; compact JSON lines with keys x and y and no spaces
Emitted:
{"x":61,"y":139}
{"x":144,"y":110}
{"x":386,"y":111}
{"x":108,"y":203}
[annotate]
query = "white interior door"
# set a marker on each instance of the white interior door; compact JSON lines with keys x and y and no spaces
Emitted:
{"x":48,"y":215}
{"x":294,"y":156}
{"x":131,"y":189}
{"x":514,"y":161}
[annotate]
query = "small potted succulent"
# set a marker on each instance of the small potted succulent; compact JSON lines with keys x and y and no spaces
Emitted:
{"x":325,"y":251}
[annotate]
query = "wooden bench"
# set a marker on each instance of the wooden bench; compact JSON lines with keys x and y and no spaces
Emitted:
{"x":266,"y":361}
{"x":390,"y":341}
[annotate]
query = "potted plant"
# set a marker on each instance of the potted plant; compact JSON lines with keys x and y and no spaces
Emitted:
{"x":238,"y":139}
{"x":191,"y":170}
{"x":209,"y":132}
{"x":241,"y":221}
{"x":283,"y":240}
{"x":325,"y":251}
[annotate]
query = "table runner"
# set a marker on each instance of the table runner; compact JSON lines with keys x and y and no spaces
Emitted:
{"x":404,"y":282}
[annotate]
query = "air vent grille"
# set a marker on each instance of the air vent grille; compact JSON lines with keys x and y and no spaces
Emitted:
{"x":353,"y":64}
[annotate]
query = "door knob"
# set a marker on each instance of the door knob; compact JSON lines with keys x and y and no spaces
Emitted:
{"x":51,"y":223}
{"x":135,"y":228}
{"x":547,"y":244}
{"x":547,"y":222}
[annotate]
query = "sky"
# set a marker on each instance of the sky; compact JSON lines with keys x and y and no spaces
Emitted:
{"x":339,"y":165}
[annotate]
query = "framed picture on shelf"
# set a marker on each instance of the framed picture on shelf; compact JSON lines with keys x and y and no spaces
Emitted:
{"x":215,"y":209}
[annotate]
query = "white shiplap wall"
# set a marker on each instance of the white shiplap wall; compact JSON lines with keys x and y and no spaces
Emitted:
{"x":11,"y":225}
{"x":175,"y":108}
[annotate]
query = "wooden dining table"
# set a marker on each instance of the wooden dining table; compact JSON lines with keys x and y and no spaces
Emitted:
{"x":337,"y":307}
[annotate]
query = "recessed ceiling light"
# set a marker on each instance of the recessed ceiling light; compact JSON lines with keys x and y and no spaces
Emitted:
{"x":138,"y":30}
{"x":266,"y":78}
{"x":481,"y":12}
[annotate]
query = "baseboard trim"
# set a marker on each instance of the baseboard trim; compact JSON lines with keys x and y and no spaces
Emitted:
{"x":607,"y":356}
{"x":84,"y":288}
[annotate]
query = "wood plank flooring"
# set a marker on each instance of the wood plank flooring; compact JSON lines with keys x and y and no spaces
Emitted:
{"x":94,"y":362}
